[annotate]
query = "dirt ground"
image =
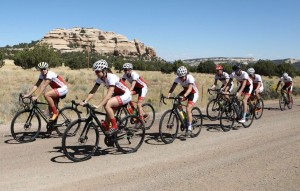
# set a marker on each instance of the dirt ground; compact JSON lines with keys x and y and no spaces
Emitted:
{"x":265,"y":156}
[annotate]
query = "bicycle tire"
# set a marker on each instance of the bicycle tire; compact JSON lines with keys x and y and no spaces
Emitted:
{"x":149,"y":110}
{"x":282,"y":102}
{"x":227,"y":118}
{"x":213,"y":109}
{"x":121,"y":113}
{"x":75,"y":147}
{"x":249,"y":115}
{"x":25,"y":128}
{"x":65,"y":117}
{"x":129,"y":138}
{"x":259,"y":110}
{"x":196,"y":122}
{"x":290,"y":104}
{"x":168,"y":132}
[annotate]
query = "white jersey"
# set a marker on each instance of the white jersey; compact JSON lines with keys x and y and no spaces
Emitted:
{"x":114,"y":80}
{"x":244,"y":76}
{"x":133,"y":76}
{"x":287,"y":81}
{"x":256,"y":80}
{"x":223,"y":78}
{"x":185,"y":84}
{"x":56,"y":81}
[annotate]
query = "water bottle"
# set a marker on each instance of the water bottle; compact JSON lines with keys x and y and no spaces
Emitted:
{"x":129,"y":109}
{"x":181,"y":113}
{"x":134,"y":111}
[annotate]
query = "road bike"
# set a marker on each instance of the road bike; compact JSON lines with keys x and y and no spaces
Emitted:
{"x":214,"y":106}
{"x":169,"y":122}
{"x":26,"y":124}
{"x":149,"y":116}
{"x":284,"y":100}
{"x":233,"y":111}
{"x":258,"y":105}
{"x":84,"y":141}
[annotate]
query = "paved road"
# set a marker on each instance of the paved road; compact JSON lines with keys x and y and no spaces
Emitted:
{"x":265,"y":156}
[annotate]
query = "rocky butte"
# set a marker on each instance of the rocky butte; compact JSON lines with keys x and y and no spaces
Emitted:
{"x":95,"y":40}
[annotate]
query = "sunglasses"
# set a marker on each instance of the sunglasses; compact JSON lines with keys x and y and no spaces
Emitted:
{"x":43,"y":69}
{"x":125,"y":70}
{"x":97,"y":71}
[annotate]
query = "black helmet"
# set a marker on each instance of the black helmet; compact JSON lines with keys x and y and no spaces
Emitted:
{"x":236,"y":67}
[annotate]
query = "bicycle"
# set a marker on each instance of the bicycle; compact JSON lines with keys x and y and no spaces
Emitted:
{"x":258,"y":105}
{"x":214,"y":106}
{"x":26,"y":124}
{"x":284,"y":101}
{"x":233,"y":111}
{"x":85,"y":135}
{"x":169,"y":122}
{"x":149,"y":116}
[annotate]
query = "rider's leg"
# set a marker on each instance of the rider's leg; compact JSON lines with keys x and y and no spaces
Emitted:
{"x":111,"y":103}
{"x":245,"y":101}
{"x":49,"y":96}
{"x":189,"y":115}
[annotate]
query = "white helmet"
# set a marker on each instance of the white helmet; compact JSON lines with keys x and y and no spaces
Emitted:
{"x":100,"y":65}
{"x":43,"y":65}
{"x":181,"y":71}
{"x":285,"y":75}
{"x":251,"y":71}
{"x":127,"y":66}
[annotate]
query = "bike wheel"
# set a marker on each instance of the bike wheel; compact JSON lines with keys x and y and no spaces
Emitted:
{"x":259,"y":108}
{"x":120,"y":114}
{"x":213,"y":109}
{"x":290,"y":104}
{"x":65,"y":117}
{"x":168,"y":127}
{"x":227,"y":118}
{"x":149,"y":116}
{"x":282,"y":102}
{"x":249,"y":116}
{"x":84,"y":140}
{"x":25,"y":126}
{"x":196,"y":122}
{"x":129,"y":138}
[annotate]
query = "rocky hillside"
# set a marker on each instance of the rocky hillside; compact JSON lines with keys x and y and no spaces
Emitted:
{"x":91,"y":39}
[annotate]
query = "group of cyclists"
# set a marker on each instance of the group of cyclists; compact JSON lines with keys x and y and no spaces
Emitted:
{"x":119,"y":93}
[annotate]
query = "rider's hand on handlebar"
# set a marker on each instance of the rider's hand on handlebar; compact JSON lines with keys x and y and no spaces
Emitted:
{"x":168,"y":96}
{"x":34,"y":98}
{"x":83,"y":103}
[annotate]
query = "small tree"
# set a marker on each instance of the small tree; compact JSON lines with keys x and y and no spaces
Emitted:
{"x":206,"y":67}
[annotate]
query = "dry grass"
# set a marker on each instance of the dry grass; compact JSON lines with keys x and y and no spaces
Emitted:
{"x":15,"y":80}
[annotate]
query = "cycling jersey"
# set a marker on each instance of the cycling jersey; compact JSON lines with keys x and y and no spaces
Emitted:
{"x":56,"y":81}
{"x":256,"y":80}
{"x":133,"y":76}
{"x":244,"y":76}
{"x":288,"y":84}
{"x":185,"y":84}
{"x":114,"y":80}
{"x":223,"y":78}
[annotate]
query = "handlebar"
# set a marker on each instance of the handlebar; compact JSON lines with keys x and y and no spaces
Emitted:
{"x":176,"y":98}
{"x":88,"y":107}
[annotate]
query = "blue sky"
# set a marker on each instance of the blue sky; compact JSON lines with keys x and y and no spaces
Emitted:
{"x":177,"y":29}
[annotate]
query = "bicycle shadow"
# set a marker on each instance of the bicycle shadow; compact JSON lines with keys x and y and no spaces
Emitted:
{"x":99,"y":152}
{"x":42,"y":135}
{"x":153,"y":139}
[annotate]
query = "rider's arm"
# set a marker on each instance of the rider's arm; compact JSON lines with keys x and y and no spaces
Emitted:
{"x":188,"y":91}
{"x":226,"y":85}
{"x":92,"y":92}
{"x":132,"y":85}
{"x":258,"y":86}
{"x":43,"y":87}
{"x":278,"y":85}
{"x":109,"y":94}
{"x":243,"y":85}
{"x":34,"y":88}
{"x":214,"y":85}
{"x":172,"y":89}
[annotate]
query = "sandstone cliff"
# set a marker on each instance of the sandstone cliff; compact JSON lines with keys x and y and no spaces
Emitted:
{"x":91,"y":39}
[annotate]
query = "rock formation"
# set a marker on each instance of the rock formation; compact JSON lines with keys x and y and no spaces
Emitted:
{"x":95,"y":40}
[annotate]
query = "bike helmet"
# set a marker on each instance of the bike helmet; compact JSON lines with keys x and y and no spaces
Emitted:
{"x":100,"y":65}
{"x":127,"y":66}
{"x":43,"y":65}
{"x":251,"y":71}
{"x":236,"y":67}
{"x":181,"y":71}
{"x":285,"y":75}
{"x":219,"y":67}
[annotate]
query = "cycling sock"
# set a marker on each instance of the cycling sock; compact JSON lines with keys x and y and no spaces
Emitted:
{"x":189,"y":124}
{"x":244,"y":115}
{"x":54,"y":110}
{"x":113,"y":123}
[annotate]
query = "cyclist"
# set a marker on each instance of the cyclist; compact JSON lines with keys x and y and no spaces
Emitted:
{"x":190,"y":92}
{"x":56,"y":82}
{"x":138,"y":86}
{"x":117,"y":95}
{"x":287,"y":86}
{"x":258,"y":85}
{"x":245,"y":87}
{"x":223,"y":77}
